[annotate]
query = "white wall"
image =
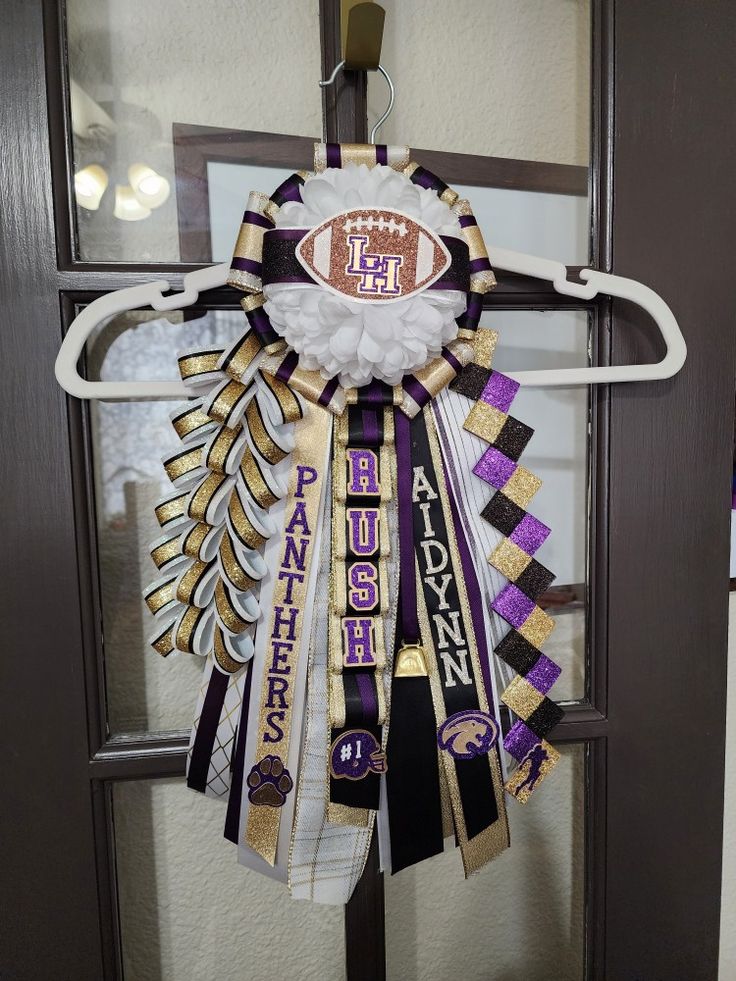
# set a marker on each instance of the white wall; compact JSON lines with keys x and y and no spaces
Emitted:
{"x":507,"y":78}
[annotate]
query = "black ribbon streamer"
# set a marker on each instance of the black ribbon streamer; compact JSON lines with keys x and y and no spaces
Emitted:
{"x":232,"y":819}
{"x":209,"y":719}
{"x":365,"y":429}
{"x":413,"y":777}
{"x":415,"y":819}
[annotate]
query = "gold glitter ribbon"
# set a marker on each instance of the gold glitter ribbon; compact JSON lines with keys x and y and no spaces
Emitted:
{"x":287,"y":406}
{"x":436,"y":376}
{"x":396,"y":157}
{"x":286,"y":622}
{"x":245,"y":273}
{"x":215,"y":522}
{"x":200,"y":367}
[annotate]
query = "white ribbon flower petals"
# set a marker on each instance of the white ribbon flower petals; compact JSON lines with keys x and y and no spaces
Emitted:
{"x":356,"y":341}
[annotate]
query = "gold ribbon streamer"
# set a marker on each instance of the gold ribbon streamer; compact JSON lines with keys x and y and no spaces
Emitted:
{"x":286,"y":622}
{"x":172,"y":508}
{"x":287,"y":403}
{"x":199,"y":366}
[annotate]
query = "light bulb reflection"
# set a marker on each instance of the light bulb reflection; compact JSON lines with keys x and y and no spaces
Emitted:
{"x":127,"y":205}
{"x":150,"y":188}
{"x":89,"y":186}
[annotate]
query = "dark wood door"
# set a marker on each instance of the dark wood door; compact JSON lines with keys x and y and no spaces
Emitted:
{"x":651,"y":723}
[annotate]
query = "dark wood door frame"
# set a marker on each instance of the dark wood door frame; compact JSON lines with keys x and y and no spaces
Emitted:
{"x":661,"y":180}
{"x":668,"y":584}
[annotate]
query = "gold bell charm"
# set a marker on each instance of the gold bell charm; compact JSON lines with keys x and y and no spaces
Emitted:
{"x":411,"y":662}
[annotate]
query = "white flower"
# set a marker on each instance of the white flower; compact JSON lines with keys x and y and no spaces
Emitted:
{"x":360,"y":341}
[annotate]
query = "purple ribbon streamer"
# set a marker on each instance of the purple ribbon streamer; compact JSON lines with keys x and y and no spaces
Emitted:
{"x":334,"y":156}
{"x":370,"y":426}
{"x":407,"y":563}
{"x":416,"y":390}
{"x":246,"y":265}
{"x":287,"y":366}
{"x":328,"y":391}
{"x":253,"y":218}
{"x":367,"y":696}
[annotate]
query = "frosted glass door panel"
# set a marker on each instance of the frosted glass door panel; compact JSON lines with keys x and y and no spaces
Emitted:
{"x":519,"y":919}
{"x":189,"y":912}
{"x":144,"y":691}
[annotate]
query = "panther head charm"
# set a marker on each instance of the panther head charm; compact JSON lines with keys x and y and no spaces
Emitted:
{"x":468,"y":734}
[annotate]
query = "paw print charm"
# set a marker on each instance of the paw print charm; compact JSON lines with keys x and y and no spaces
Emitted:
{"x":269,"y":782}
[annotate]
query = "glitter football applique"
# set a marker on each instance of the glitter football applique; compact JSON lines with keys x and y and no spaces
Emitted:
{"x":373,"y":255}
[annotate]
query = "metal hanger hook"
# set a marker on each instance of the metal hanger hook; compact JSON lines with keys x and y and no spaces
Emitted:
{"x":391,"y":95}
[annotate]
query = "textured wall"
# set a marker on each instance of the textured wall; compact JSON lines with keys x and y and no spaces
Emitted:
{"x":189,"y":912}
{"x":520,"y":919}
{"x":507,"y":78}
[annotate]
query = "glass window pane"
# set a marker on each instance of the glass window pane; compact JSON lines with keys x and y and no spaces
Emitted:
{"x":496,"y":78}
{"x":137,"y":69}
{"x":558,"y":453}
{"x":188,"y":911}
{"x":491,"y":77}
{"x":555,"y":226}
{"x":129,"y":439}
{"x":521,"y":917}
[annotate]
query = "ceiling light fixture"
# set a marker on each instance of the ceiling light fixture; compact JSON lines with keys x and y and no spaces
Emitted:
{"x":89,"y":186}
{"x":150,"y":188}
{"x":127,"y":205}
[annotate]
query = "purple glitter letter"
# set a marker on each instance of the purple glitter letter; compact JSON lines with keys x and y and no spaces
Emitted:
{"x":363,"y":523}
{"x":363,"y":577}
{"x":358,"y":637}
{"x":363,"y":472}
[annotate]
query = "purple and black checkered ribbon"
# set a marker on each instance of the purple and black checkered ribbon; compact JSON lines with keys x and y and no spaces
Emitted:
{"x":528,"y":579}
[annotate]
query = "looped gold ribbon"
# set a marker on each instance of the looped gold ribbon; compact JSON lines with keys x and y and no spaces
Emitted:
{"x":215,"y":520}
{"x":201,"y":542}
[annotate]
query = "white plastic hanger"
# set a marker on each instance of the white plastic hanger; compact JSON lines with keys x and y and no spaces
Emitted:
{"x":215,"y":277}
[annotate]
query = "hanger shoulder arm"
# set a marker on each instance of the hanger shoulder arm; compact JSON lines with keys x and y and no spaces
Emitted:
{"x":121,"y":301}
{"x":594,"y":283}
